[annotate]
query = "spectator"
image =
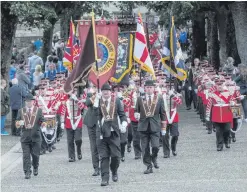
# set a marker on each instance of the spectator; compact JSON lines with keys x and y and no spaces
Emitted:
{"x":48,"y":62}
{"x":23,"y":79}
{"x":183,"y":39}
{"x":4,"y":106}
{"x":33,"y":62}
{"x":17,"y":95}
{"x":37,"y":76}
{"x":14,"y":52}
{"x":12,"y":70}
{"x":52,"y":72}
{"x":38,"y":44}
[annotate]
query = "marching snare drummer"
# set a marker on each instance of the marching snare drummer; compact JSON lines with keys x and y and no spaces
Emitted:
{"x":30,"y":119}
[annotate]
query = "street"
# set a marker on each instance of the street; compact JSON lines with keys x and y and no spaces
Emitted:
{"x":197,"y":167}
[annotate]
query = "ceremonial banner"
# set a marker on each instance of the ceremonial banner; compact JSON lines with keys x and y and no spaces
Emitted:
{"x":107,"y":43}
{"x":141,"y":54}
{"x":172,"y":60}
{"x":83,"y":28}
{"x":72,"y":49}
{"x":124,"y":59}
{"x":83,"y":65}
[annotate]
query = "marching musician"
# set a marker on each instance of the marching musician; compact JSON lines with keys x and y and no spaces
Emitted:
{"x":107,"y":109}
{"x":72,"y":121}
{"x":173,"y":99}
{"x":90,"y":122}
{"x":30,"y":119}
{"x":150,"y":113}
{"x":219,"y":104}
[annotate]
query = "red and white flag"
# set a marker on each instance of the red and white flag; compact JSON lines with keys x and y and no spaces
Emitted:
{"x":141,"y":54}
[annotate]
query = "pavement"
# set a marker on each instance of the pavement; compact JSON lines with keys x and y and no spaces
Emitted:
{"x":197,"y":168}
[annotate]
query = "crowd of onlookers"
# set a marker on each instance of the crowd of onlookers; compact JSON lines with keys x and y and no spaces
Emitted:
{"x":25,"y":75}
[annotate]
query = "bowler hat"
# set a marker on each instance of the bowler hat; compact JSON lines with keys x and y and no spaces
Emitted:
{"x":29,"y":97}
{"x":149,"y":83}
{"x":106,"y":86}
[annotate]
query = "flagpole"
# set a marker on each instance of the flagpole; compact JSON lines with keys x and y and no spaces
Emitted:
{"x":97,"y":68}
{"x":72,"y":51}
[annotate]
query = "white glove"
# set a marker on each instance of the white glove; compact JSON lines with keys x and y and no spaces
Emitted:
{"x":137,"y":116}
{"x":97,"y":98}
{"x":196,"y":91}
{"x":179,"y":87}
{"x":128,"y":120}
{"x":62,"y":125}
{"x":21,"y":122}
{"x":141,"y":90}
{"x":241,"y":97}
{"x":207,"y":119}
{"x":123,"y":127}
{"x":73,"y":96}
{"x":98,"y":95}
{"x":190,"y":88}
{"x":119,"y":95}
{"x":171,"y":92}
{"x":163,"y":132}
{"x":232,"y":103}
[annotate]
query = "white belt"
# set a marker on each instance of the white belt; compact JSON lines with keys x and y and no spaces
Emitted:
{"x":221,"y":105}
{"x":76,"y":117}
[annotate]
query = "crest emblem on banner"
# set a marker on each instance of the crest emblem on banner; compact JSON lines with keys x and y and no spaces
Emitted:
{"x":107,"y":54}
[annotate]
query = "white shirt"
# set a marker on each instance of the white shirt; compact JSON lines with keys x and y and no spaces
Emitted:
{"x":147,"y":97}
{"x":28,"y":109}
{"x":108,"y":104}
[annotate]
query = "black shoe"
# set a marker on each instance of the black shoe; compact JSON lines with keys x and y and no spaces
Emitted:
{"x":35,"y":172}
{"x":79,"y":157}
{"x":129,"y":149}
{"x":234,"y":139}
{"x":96,"y":172}
{"x":174,"y":153}
{"x":53,"y":147}
{"x":154,"y":160}
{"x":28,"y":175}
{"x":122,"y":159}
{"x":104,"y":183}
{"x":204,"y":124}
{"x":42,"y":152}
{"x":227,"y":145}
{"x":71,"y":159}
{"x":219,"y":148}
{"x":58,"y":139}
{"x":114,"y":177}
{"x":188,"y":108}
{"x":214,"y":130}
{"x":137,"y":157}
{"x":149,"y":170}
{"x":210,"y":131}
{"x":50,"y":149}
{"x":166,"y":156}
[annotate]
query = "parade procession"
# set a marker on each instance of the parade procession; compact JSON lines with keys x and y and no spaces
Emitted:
{"x":117,"y":101}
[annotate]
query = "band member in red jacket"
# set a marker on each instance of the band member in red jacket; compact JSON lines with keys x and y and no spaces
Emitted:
{"x":72,"y":121}
{"x":173,"y":99}
{"x":219,"y":105}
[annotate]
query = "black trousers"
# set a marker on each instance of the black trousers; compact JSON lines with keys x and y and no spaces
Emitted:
{"x":59,"y":129}
{"x":109,"y":150}
{"x":222,"y":133}
{"x":172,"y":129}
{"x":93,"y":146}
{"x":187,"y":96}
{"x":130,"y":135}
{"x":44,"y":145}
{"x":148,"y":137}
{"x":136,"y":139}
{"x":30,"y":149}
{"x":74,"y":137}
{"x":14,"y":130}
{"x":124,"y":138}
{"x":235,"y":126}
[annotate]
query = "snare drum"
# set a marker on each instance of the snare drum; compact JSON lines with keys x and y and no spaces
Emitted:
{"x":236,"y":112}
{"x":50,"y":121}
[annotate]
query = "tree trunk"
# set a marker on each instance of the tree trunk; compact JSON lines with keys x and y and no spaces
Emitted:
{"x":239,"y":13}
{"x":208,"y":38}
{"x":47,"y":41}
{"x":64,"y":27}
{"x":214,"y":42}
{"x":231,"y":44}
{"x":222,"y":24}
{"x":198,"y":42}
{"x":8,"y":29}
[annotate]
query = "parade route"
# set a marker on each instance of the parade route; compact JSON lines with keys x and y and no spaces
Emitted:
{"x":197,"y":167}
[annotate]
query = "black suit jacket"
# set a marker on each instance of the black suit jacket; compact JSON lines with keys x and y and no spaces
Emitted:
{"x":33,"y":134}
{"x":89,"y":119}
{"x":155,"y":121}
{"x":107,"y":125}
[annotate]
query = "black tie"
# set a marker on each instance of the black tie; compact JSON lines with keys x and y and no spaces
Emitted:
{"x":106,"y":103}
{"x":149,"y":101}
